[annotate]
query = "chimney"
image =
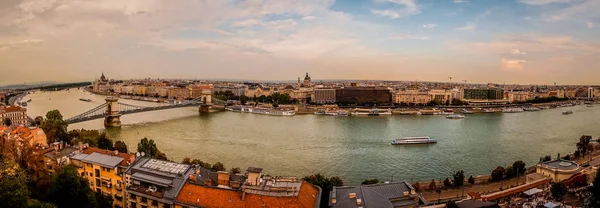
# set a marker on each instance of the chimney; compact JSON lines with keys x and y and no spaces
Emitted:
{"x":223,"y":178}
{"x":192,"y":178}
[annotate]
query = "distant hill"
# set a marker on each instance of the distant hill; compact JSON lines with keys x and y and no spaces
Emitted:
{"x":29,"y":85}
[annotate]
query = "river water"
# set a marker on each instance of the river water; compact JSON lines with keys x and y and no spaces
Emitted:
{"x":354,"y":148}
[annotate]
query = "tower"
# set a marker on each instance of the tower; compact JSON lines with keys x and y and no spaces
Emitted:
{"x":307,"y":80}
{"x":113,"y":119}
{"x":299,"y":84}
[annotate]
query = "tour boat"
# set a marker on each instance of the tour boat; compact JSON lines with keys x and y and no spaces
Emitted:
{"x":512,"y":110}
{"x":465,"y":111}
{"x":85,"y":100}
{"x":487,"y":110}
{"x":372,"y":112}
{"x":413,"y":140}
{"x":447,"y":112}
{"x":590,"y":105}
{"x":260,"y":110}
{"x":455,"y":116}
{"x":567,"y":112}
{"x":337,"y":113}
{"x":532,"y":109}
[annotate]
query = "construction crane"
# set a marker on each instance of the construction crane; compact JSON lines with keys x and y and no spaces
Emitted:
{"x":450,"y":79}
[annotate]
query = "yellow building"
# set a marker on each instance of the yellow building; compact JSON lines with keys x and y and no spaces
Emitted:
{"x":412,"y":97}
{"x":558,"y":170}
{"x":104,"y":170}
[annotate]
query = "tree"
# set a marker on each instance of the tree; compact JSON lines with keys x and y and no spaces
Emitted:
{"x":13,"y":187}
{"x":471,"y":180}
{"x":558,"y":190}
{"x":68,"y":189}
{"x":218,"y":167}
{"x":148,"y":147}
{"x":121,"y":146}
{"x":567,"y":157}
{"x":519,"y":167}
{"x":582,"y":145}
{"x":447,"y":183}
{"x":510,"y":172}
{"x":235,"y":170}
{"x":186,"y":160}
{"x":160,"y":155}
{"x":458,"y":178}
{"x":498,"y":173}
{"x":7,"y":122}
{"x":577,"y":154}
{"x":100,"y":201}
{"x":451,"y":204}
{"x":55,"y":127}
{"x":104,"y":142}
{"x":202,"y":164}
{"x":34,"y":203}
{"x":326,"y":185}
{"x":371,"y":181}
{"x":546,"y":158}
{"x":417,"y":186}
{"x":596,"y":189}
{"x":432,"y":185}
{"x":39,"y":120}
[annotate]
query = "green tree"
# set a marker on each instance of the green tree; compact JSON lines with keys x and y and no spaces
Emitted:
{"x":34,"y":203}
{"x":510,"y":172}
{"x":417,"y":186}
{"x":582,"y":145}
{"x":519,"y":167}
{"x":39,"y":120}
{"x":13,"y":185}
{"x":68,"y":189}
{"x":558,"y":190}
{"x":595,"y":189}
{"x":451,"y":204}
{"x":148,"y":147}
{"x":235,"y":170}
{"x":371,"y":181}
{"x":104,"y":142}
{"x":432,"y":185}
{"x":202,"y":164}
{"x":458,"y":178}
{"x":326,"y":185}
{"x":218,"y":167}
{"x":447,"y":183}
{"x":498,"y":173}
{"x":7,"y":122}
{"x":55,"y":127}
{"x":160,"y":155}
{"x":186,"y":160}
{"x":98,"y":200}
{"x":121,"y":146}
{"x":471,"y":180}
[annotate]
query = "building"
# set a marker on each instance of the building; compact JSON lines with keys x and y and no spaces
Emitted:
{"x":33,"y":135}
{"x":517,"y":96}
{"x":558,"y":170}
{"x":197,"y":91}
{"x":104,"y":170}
{"x":444,"y":96}
{"x":16,"y":114}
{"x":415,"y":97}
{"x":58,"y":155}
{"x":363,"y":95}
{"x":222,"y":189}
{"x":101,"y":85}
{"x":154,"y":183}
{"x":323,"y":96}
{"x":301,"y":94}
{"x":392,"y":195}
{"x":178,"y":93}
{"x":483,"y":94}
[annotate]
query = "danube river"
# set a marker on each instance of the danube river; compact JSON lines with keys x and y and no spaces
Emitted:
{"x":354,"y":148}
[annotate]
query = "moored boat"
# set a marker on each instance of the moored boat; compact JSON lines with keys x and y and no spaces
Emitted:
{"x":413,"y":140}
{"x":455,"y":116}
{"x":567,"y":112}
{"x":532,"y":109}
{"x":261,"y":110}
{"x":512,"y":110}
{"x":465,"y":111}
{"x":85,"y":100}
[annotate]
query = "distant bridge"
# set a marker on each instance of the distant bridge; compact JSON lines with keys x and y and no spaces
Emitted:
{"x":112,"y":110}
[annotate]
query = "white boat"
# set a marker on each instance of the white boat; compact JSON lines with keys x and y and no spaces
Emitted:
{"x":259,"y":110}
{"x":85,"y":100}
{"x":512,"y":110}
{"x":339,"y":113}
{"x":372,"y":112}
{"x":455,"y":116}
{"x":413,"y":140}
{"x":567,"y":112}
{"x":590,"y":105}
{"x":447,"y":112}
{"x":532,"y":109}
{"x":487,"y":110}
{"x":465,"y":111}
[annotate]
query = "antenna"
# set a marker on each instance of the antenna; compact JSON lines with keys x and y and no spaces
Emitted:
{"x":450,"y":79}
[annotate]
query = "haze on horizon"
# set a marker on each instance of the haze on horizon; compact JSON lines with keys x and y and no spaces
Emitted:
{"x":500,"y":41}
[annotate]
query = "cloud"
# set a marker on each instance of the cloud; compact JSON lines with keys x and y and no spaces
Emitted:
{"x":309,"y":18}
{"x":517,"y":52}
{"x":544,"y":2}
{"x":246,"y":23}
{"x":590,"y":25}
{"x":408,"y":37}
{"x":513,"y":63}
{"x":407,"y":8}
{"x":429,"y":26}
{"x":468,"y":26}
{"x":459,"y":1}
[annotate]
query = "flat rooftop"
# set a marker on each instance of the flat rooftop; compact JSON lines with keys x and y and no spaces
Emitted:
{"x":564,"y":165}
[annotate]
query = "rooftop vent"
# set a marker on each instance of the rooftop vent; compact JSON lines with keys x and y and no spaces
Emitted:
{"x":352,"y":195}
{"x":405,"y":193}
{"x":358,"y":202}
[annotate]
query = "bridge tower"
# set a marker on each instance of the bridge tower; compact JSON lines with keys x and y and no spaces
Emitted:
{"x":113,"y":119}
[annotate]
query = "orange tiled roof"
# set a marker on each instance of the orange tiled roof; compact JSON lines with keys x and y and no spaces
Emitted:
{"x":201,"y":196}
{"x":13,"y":108}
{"x":22,"y":131}
{"x":125,"y":156}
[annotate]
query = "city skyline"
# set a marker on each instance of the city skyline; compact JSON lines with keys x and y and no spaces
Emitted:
{"x":520,"y":41}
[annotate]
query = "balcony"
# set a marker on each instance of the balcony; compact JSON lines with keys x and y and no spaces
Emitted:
{"x":118,"y":197}
{"x":119,"y":187}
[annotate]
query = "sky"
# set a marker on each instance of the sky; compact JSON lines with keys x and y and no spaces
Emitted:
{"x":480,"y":41}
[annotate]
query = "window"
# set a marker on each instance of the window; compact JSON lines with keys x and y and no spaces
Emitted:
{"x":133,"y":205}
{"x":132,"y":196}
{"x":98,"y":190}
{"x":144,"y":206}
{"x":97,"y":172}
{"x":167,"y":206}
{"x":144,"y":200}
{"x":154,"y":203}
{"x":97,"y":182}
